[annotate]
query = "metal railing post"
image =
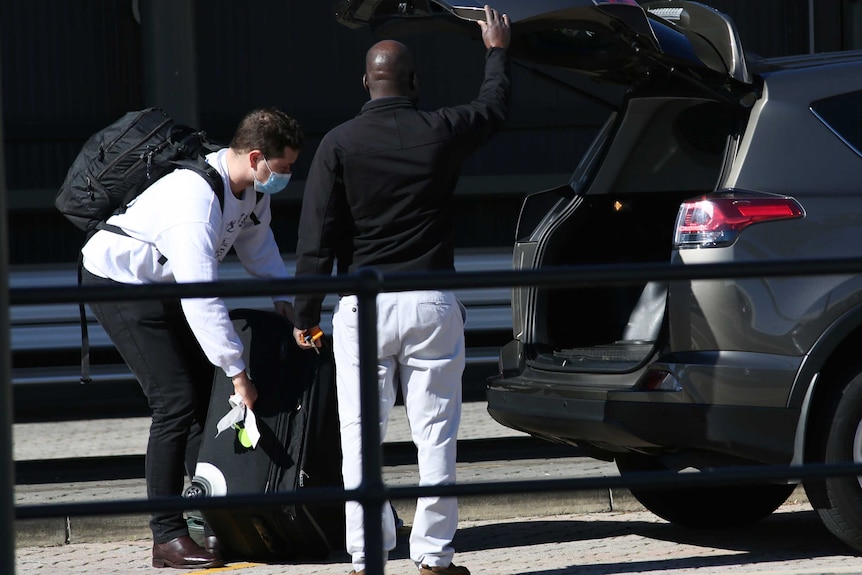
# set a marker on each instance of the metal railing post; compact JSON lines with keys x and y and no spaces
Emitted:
{"x":372,"y":488}
{"x":7,"y":472}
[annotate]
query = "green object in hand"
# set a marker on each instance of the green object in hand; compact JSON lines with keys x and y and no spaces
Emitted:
{"x":242,"y":436}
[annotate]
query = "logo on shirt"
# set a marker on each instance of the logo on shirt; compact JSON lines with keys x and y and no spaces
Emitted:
{"x":230,"y":231}
{"x":236,"y":224}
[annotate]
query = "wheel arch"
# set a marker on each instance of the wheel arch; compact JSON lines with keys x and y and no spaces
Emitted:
{"x":835,"y":355}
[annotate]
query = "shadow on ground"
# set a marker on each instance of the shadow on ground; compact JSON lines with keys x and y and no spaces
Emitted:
{"x":782,"y":537}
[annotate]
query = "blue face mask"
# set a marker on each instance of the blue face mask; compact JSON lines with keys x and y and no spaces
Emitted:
{"x":273,"y":184}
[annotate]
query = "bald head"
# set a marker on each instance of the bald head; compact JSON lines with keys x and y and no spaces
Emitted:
{"x":389,"y":70}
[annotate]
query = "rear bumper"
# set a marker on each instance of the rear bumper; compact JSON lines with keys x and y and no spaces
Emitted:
{"x":565,"y":420}
{"x":620,"y":419}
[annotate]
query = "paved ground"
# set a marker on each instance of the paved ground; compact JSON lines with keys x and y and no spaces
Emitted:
{"x":594,"y":532}
{"x":791,"y":541}
{"x":128,"y":437}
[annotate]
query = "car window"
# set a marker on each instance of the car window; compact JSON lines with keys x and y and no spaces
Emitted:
{"x":843,"y":115}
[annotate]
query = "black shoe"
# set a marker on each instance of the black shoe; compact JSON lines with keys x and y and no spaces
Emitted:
{"x":183,"y":553}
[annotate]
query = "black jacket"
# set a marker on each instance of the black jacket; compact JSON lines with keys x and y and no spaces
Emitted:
{"x":379,"y":190}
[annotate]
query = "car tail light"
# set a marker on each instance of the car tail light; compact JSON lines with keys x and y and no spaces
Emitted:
{"x":658,"y":380}
{"x":713,"y":222}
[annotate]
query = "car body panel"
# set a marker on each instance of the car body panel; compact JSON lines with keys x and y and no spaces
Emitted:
{"x":783,"y":314}
{"x":761,"y":163}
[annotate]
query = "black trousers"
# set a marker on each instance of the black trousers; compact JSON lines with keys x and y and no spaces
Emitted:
{"x":157,"y":344}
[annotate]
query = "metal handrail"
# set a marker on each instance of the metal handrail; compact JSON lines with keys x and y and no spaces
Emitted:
{"x":664,"y":479}
{"x":554,"y":276}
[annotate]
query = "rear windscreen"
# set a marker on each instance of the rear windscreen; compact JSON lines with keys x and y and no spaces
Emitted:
{"x":669,"y":145}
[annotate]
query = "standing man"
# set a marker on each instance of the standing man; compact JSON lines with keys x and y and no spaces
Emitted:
{"x":177,"y":231}
{"x":379,"y":194}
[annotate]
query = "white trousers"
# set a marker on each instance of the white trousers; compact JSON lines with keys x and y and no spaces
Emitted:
{"x":420,"y":346}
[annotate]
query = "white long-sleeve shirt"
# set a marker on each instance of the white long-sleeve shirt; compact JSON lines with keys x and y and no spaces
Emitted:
{"x":179,"y":217}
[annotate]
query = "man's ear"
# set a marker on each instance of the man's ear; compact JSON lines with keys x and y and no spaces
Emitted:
{"x":365,"y":82}
{"x":254,"y":158}
{"x":414,"y":82}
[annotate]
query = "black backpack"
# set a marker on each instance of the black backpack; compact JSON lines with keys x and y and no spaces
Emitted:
{"x":119,"y":162}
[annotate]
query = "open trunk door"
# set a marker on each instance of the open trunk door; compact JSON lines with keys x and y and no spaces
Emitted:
{"x":618,"y":41}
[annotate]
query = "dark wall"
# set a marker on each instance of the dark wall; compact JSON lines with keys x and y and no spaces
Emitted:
{"x":85,"y":69}
{"x":770,"y":27}
{"x":67,"y":67}
{"x":70,"y":68}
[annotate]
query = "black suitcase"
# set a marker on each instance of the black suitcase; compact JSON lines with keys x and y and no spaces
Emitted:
{"x":299,"y":447}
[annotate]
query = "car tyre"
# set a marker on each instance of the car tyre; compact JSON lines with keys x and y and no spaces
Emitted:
{"x":838,"y":500}
{"x":707,"y":507}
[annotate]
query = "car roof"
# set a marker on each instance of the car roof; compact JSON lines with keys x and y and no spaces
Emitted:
{"x":800,"y":61}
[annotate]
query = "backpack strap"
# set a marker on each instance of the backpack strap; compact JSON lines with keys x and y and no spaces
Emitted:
{"x":203,"y":169}
{"x":253,"y":216}
{"x":85,"y":333}
{"x":213,"y":179}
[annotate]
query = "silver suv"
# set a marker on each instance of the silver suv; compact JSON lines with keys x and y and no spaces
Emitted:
{"x":708,"y":156}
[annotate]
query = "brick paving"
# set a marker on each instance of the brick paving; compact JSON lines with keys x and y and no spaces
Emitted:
{"x":791,"y":541}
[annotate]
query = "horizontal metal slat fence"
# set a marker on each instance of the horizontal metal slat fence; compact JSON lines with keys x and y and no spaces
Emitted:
{"x":366,"y":284}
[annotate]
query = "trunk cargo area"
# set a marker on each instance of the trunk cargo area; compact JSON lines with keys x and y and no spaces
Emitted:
{"x":659,"y":152}
{"x":606,"y":327}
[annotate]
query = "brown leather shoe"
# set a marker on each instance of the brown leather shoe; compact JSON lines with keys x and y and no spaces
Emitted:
{"x":211,"y":544}
{"x":183,"y":553}
{"x":452,"y":569}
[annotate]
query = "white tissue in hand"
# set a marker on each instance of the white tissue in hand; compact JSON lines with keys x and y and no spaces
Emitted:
{"x":240,"y":414}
